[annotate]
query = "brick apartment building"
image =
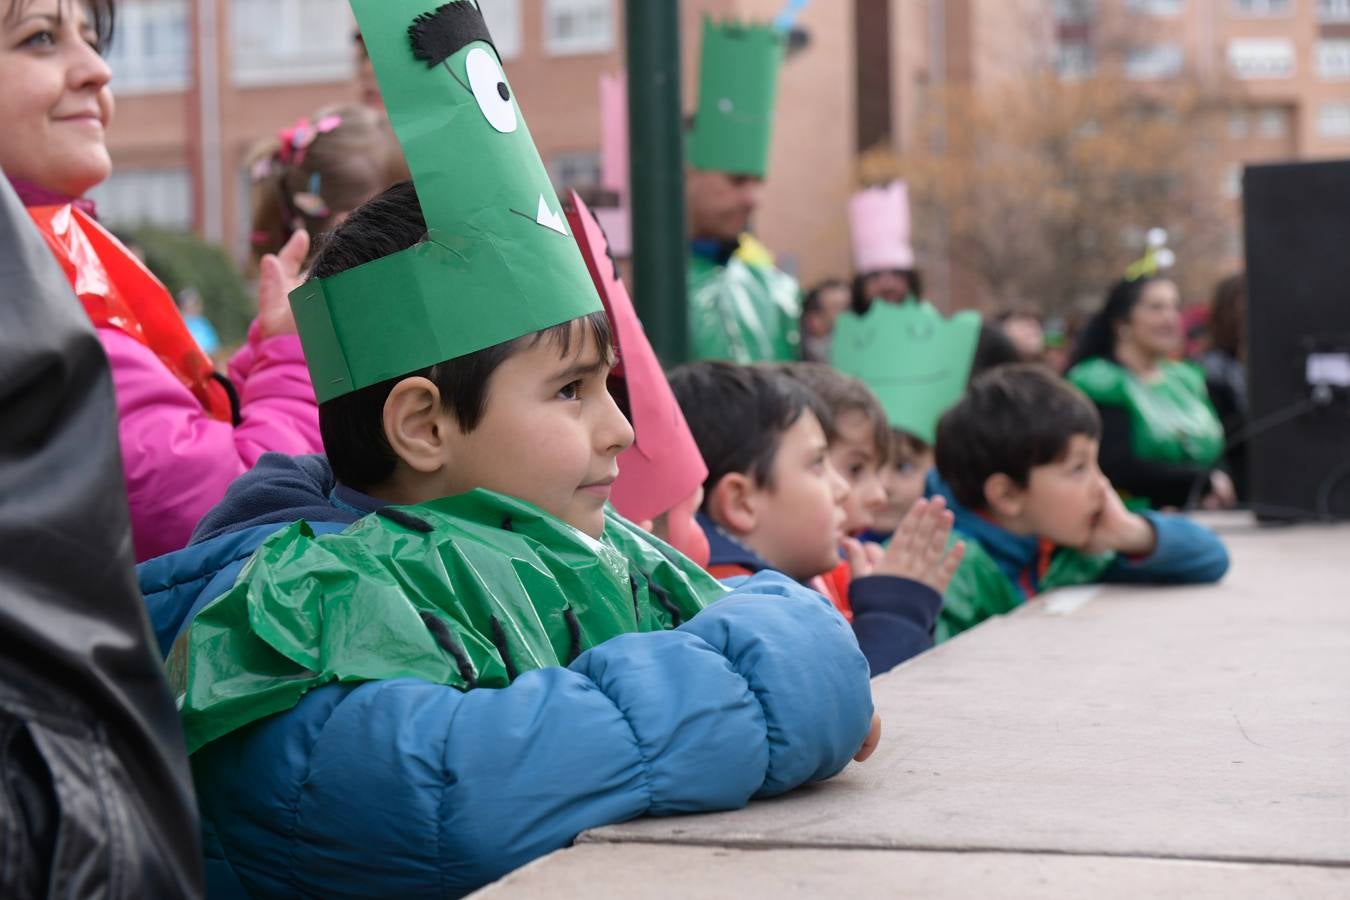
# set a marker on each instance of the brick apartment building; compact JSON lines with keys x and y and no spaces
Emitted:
{"x":186,"y":119}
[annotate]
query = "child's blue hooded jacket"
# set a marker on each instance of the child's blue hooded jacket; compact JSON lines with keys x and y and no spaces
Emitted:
{"x":405,"y":788}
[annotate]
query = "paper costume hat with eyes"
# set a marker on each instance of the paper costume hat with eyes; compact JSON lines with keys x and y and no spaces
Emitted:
{"x":914,"y":360}
{"x":664,"y":465}
{"x":878,"y":219}
{"x":737,"y":89}
{"x":498,"y":261}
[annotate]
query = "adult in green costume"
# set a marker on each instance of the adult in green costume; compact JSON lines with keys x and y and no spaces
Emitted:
{"x":741,"y":306}
{"x":1161,"y":440}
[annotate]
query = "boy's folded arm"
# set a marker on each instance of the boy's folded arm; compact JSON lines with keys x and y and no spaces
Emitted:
{"x":802,"y":661}
{"x":893,"y":619}
{"x":422,"y":789}
{"x":1186,"y":553}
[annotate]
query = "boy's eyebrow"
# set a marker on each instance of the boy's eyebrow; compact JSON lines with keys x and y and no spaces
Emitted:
{"x":582,"y":369}
{"x":438,"y":35}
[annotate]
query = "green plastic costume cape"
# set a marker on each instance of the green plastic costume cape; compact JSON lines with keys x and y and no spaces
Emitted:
{"x":1171,"y":420}
{"x":738,"y":88}
{"x":914,"y":360}
{"x":495,"y":588}
{"x":498,"y":261}
{"x":743,"y":311}
{"x":980,"y":590}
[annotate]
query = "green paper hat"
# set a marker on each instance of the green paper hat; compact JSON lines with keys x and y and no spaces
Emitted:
{"x":914,"y":360}
{"x":498,"y":261}
{"x":737,"y":89}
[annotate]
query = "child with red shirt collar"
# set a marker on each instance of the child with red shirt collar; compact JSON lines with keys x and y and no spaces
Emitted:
{"x":775,"y":500}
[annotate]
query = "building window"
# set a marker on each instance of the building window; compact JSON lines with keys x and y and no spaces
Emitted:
{"x":573,"y":27}
{"x":579,"y":170}
{"x":1333,"y":60}
{"x":1075,"y":10}
{"x":1333,"y":10}
{"x":503,"y":22}
{"x":1263,"y":7}
{"x":1273,"y":123}
{"x":149,"y":51}
{"x":1153,"y":62}
{"x":290,"y":41}
{"x":1333,"y":120}
{"x":1155,"y":7}
{"x":161,"y":197}
{"x":1251,"y":58}
{"x":1075,"y":59}
{"x":1237,"y":124}
{"x":1231,"y":185}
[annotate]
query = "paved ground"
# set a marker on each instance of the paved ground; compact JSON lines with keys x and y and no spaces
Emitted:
{"x":1102,"y":742}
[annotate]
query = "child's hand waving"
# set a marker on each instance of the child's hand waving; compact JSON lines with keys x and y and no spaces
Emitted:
{"x":918,"y":550}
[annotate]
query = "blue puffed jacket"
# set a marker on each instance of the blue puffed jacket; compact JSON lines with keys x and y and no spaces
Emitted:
{"x":410,"y":789}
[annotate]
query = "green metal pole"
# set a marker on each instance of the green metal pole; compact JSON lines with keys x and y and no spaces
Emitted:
{"x":656,"y":158}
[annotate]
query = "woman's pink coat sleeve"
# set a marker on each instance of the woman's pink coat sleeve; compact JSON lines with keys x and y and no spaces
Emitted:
{"x":177,"y":459}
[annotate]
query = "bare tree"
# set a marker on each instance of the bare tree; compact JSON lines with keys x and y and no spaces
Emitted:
{"x":1042,"y":186}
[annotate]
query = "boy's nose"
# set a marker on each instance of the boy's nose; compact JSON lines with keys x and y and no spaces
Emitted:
{"x":839,"y":486}
{"x":615,"y":433}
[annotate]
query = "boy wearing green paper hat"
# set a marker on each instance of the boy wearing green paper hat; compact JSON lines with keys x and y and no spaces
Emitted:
{"x":741,"y":306}
{"x":336,"y":695}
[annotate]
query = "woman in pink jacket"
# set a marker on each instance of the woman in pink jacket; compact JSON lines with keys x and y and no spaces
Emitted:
{"x":183,"y":440}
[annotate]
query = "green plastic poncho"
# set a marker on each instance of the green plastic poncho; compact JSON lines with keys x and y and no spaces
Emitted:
{"x":980,"y":590}
{"x":1171,"y":420}
{"x":468,"y":591}
{"x":745,"y":311}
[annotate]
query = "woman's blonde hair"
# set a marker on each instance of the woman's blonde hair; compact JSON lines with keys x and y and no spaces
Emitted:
{"x":317,"y":170}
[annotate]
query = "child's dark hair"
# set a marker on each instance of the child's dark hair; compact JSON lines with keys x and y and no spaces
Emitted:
{"x":906,"y":446}
{"x":1012,"y":419}
{"x":839,"y":394}
{"x":352,"y":425}
{"x":862,"y":303}
{"x":812,"y":303}
{"x":738,"y":415}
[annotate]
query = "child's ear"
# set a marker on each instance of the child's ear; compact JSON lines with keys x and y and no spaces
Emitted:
{"x":1003,"y":496}
{"x":416,"y":426}
{"x":732,"y":503}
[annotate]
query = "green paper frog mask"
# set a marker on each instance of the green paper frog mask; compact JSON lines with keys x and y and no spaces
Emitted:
{"x":498,"y":261}
{"x":915,"y":361}
{"x":452,"y":99}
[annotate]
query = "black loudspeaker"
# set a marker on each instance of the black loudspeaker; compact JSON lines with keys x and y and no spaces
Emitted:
{"x":1297,"y":226}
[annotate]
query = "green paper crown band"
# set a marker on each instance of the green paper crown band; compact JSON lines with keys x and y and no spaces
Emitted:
{"x":738,"y":87}
{"x":498,"y":261}
{"x":914,"y":360}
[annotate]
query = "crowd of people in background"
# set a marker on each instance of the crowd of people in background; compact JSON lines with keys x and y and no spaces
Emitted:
{"x":446,"y":460}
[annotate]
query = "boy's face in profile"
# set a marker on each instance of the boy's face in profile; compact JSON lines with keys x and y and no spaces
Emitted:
{"x":904,"y":481}
{"x":1064,"y":499}
{"x":550,"y":433}
{"x":799,"y":516}
{"x":855,"y":456}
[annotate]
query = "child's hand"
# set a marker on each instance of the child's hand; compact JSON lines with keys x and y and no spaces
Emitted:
{"x":918,"y":549}
{"x":870,"y":742}
{"x":278,"y":275}
{"x":1119,"y":529}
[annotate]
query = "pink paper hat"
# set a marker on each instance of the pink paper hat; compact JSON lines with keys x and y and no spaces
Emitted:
{"x":879,"y":221}
{"x":663,"y":466}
